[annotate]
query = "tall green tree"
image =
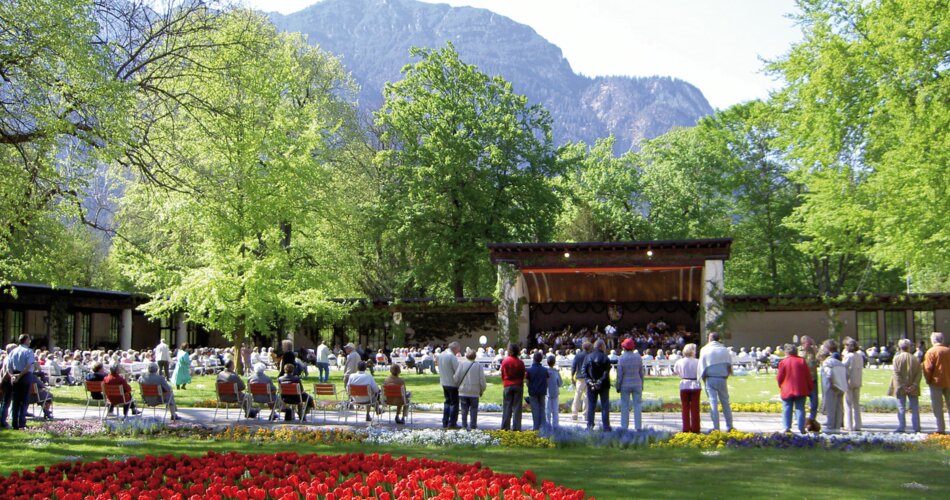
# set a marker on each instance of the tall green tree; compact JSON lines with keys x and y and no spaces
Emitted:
{"x":240,"y":232}
{"x":867,"y":108}
{"x":602,"y":195}
{"x":470,"y":165}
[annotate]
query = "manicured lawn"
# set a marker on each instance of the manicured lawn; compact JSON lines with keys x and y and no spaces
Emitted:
{"x":604,"y":473}
{"x":427,"y":389}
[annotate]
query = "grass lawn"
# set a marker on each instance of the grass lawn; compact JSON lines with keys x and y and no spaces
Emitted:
{"x":604,"y":473}
{"x":427,"y":389}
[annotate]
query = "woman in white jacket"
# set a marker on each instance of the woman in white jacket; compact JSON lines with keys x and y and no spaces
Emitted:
{"x":834,"y":383}
{"x":470,"y":379}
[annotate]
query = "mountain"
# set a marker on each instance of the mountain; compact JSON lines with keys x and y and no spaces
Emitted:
{"x":373,"y":38}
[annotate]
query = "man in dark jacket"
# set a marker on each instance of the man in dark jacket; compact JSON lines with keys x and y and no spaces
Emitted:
{"x":537,"y":389}
{"x":597,"y":369}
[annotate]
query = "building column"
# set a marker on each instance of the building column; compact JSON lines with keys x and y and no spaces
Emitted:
{"x":7,"y":333}
{"x":514,"y":319}
{"x":125,"y":336}
{"x":713,"y":297}
{"x":181,"y":333}
{"x":77,"y":331}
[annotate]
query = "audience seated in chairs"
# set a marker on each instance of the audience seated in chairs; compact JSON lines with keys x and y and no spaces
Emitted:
{"x":363,"y":378}
{"x":114,"y":378}
{"x":397,"y":401}
{"x":258,"y":377}
{"x":227,"y":376}
{"x":152,"y":377}
{"x":302,"y":401}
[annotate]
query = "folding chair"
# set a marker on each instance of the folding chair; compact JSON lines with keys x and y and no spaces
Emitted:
{"x":228,"y":394}
{"x":94,"y":387}
{"x":262,"y":394}
{"x":154,"y":396}
{"x":325,"y":395}
{"x":359,"y":396}
{"x":115,"y":395}
{"x":293,"y":389}
{"x":395,"y":392}
{"x":38,"y":401}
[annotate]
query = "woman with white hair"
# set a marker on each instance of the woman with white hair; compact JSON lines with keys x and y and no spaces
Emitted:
{"x":690,"y":388}
{"x":905,"y":384}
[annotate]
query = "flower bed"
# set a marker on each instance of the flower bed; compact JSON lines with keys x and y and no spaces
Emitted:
{"x":282,"y":475}
{"x":844,"y":442}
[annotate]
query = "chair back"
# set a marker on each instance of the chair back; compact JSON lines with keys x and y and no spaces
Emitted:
{"x":394,"y":394}
{"x":290,"y":389}
{"x":93,"y":386}
{"x":115,"y":393}
{"x":227,"y":392}
{"x":34,"y":393}
{"x":359,"y":393}
{"x":324,"y":389}
{"x":262,"y":393}
{"x":151,"y":394}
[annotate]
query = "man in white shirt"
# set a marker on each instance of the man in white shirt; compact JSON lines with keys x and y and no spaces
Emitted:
{"x":163,"y":357}
{"x":363,"y":378}
{"x":448,"y":364}
{"x":715,"y":366}
{"x":323,"y":362}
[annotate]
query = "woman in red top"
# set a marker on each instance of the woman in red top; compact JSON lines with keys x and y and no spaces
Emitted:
{"x":512,"y":377}
{"x":795,"y":382}
{"x":114,"y":378}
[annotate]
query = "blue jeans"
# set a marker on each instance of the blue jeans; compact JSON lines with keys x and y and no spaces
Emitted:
{"x":813,"y":402}
{"x":7,"y":400}
{"x":902,"y":412}
{"x":450,"y":409}
{"x":718,"y":391}
{"x":604,"y":393}
{"x":625,"y":408}
{"x":551,"y":411}
{"x":469,"y":405}
{"x":799,"y":403}
{"x":511,"y":408}
{"x":323,"y":372}
{"x":537,"y":410}
{"x":21,"y":400}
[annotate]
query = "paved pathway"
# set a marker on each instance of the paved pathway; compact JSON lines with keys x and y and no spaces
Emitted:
{"x":667,"y":421}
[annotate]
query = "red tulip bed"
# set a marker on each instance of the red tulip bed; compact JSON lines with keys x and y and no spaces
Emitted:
{"x":279,"y":476}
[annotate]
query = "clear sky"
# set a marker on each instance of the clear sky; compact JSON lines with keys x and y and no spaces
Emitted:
{"x":717,"y":45}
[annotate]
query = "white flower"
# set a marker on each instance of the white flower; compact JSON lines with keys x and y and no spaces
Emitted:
{"x":916,"y":486}
{"x":429,"y":437}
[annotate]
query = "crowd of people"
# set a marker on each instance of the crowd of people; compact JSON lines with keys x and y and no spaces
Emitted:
{"x":656,"y":337}
{"x":803,"y":372}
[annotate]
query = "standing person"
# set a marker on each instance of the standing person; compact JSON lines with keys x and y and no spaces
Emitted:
{"x":448,"y":365}
{"x":246,"y":363}
{"x":579,"y":380}
{"x":597,"y":369}
{"x":288,"y":356}
{"x":537,"y":389}
{"x":834,"y":383}
{"x":470,"y":379}
{"x":809,"y":352}
{"x":905,"y":384}
{"x":937,"y":373}
{"x":323,"y":362}
{"x":19,"y":365}
{"x":352,"y":363}
{"x":182,"y":373}
{"x":690,"y":388}
{"x":512,"y":378}
{"x":795,"y":383}
{"x":552,"y":403}
{"x":163,"y":357}
{"x":6,"y":388}
{"x":854,"y":364}
{"x":630,"y":373}
{"x":715,"y":367}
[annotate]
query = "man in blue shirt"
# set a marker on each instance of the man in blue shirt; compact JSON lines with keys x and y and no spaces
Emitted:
{"x":19,"y":366}
{"x":537,"y":390}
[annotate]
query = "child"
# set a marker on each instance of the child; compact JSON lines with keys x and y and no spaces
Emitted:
{"x":554,"y":387}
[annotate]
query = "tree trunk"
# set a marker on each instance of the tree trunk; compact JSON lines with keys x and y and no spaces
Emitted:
{"x":238,"y":344}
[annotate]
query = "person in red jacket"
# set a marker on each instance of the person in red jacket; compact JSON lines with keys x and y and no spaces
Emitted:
{"x":512,"y":377}
{"x":796,"y":383}
{"x":114,"y":378}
